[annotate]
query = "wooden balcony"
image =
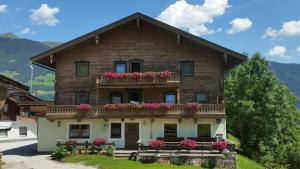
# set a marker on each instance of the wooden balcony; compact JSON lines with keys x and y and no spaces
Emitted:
{"x":144,"y":82}
{"x":100,"y":112}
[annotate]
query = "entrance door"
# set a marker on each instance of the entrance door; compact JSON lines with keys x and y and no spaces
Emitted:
{"x":131,"y":135}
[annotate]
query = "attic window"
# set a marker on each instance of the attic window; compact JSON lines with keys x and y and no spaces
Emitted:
{"x":82,"y":68}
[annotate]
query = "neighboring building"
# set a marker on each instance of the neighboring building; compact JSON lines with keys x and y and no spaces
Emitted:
{"x":17,"y":121}
{"x":136,"y":43}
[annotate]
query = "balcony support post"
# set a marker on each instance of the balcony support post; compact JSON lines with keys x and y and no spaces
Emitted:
{"x":97,"y":96}
{"x":178,"y":95}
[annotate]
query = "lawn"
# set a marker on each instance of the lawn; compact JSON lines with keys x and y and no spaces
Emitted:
{"x":104,"y":162}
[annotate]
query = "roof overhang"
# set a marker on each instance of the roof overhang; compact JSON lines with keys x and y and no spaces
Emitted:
{"x":46,"y":59}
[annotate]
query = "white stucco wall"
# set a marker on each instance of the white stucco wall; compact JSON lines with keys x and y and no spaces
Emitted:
{"x":49,"y":132}
{"x":13,"y":133}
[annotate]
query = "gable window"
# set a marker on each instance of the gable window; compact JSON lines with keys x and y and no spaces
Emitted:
{"x":23,"y":131}
{"x":187,"y":68}
{"x":120,"y":67}
{"x":82,"y":98}
{"x":201,"y":97}
{"x":79,"y":131}
{"x":170,"y":130}
{"x":82,"y":69}
{"x":116,"y":97}
{"x":170,"y":98}
{"x":136,"y":66}
{"x":115,"y":130}
{"x":203,"y":130}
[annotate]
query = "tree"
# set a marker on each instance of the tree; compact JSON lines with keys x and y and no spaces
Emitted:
{"x":262,"y":111}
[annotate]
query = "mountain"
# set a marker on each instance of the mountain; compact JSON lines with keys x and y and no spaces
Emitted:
{"x":289,"y":75}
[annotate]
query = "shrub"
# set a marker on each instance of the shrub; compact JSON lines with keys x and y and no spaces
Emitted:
{"x":187,"y":144}
{"x":71,"y":145}
{"x":99,"y":141}
{"x":156,"y":144}
{"x":109,"y":150}
{"x":85,"y":107}
{"x":60,"y":153}
{"x":220,"y":145}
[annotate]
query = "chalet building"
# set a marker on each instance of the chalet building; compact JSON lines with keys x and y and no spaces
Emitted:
{"x":136,"y":79}
{"x":17,"y":120}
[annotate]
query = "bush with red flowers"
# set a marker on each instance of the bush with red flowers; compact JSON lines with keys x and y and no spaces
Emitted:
{"x":84,"y":107}
{"x":193,"y":106}
{"x":156,"y":144}
{"x":99,"y":141}
{"x":220,"y":145}
{"x":188,"y":144}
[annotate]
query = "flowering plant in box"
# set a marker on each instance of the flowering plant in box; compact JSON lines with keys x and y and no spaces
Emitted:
{"x":99,"y":141}
{"x":149,"y":75}
{"x":187,"y":144}
{"x":152,"y":106}
{"x":165,"y":106}
{"x":193,"y":106}
{"x":156,"y":144}
{"x":220,"y":145}
{"x":165,"y":74}
{"x":84,"y":107}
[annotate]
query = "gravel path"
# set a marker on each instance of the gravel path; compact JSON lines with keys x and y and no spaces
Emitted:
{"x":22,"y":155}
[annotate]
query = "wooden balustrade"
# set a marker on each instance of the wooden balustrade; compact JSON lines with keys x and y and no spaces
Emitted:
{"x":144,"y":82}
{"x":176,"y":111}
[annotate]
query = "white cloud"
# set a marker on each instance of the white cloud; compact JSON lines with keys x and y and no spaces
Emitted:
{"x":290,"y":28}
{"x":239,"y":25}
{"x":193,"y":18}
{"x":298,"y":49}
{"x":3,"y":8}
{"x":278,"y":51}
{"x":26,"y":31}
{"x":45,"y":15}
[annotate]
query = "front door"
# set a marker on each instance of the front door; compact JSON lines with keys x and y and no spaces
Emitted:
{"x":131,"y":135}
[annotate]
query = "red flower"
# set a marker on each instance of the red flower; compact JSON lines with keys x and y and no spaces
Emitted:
{"x":193,"y":106}
{"x":153,"y":106}
{"x":165,"y":74}
{"x":187,"y":144}
{"x":71,"y":143}
{"x":220,"y":145}
{"x":85,"y":107}
{"x":156,"y":144}
{"x":137,"y":75}
{"x":166,"y":106}
{"x":99,"y":141}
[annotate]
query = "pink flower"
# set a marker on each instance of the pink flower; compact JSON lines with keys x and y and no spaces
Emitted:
{"x":220,"y":145}
{"x":71,"y":143}
{"x":193,"y":106}
{"x":156,"y":144}
{"x":85,"y":107}
{"x":165,"y":74}
{"x":188,"y":144}
{"x":152,"y":106}
{"x":99,"y":141}
{"x":166,"y":106}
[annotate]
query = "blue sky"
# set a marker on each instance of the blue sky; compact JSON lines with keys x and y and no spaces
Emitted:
{"x":269,"y":26}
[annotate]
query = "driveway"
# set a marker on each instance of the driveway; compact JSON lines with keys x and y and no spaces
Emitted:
{"x":22,"y":155}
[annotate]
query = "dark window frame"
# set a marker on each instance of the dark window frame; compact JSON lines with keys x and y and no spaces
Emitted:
{"x":181,"y":68}
{"x":136,"y":60}
{"x":116,"y":94}
{"x":88,"y":67}
{"x":201,"y":92}
{"x":82,"y":92}
{"x":136,"y":90}
{"x":170,"y":93}
{"x":81,"y":136}
{"x":120,"y":62}
{"x":204,"y":124}
{"x":170,"y":124}
{"x":114,"y":135}
{"x":23,"y":127}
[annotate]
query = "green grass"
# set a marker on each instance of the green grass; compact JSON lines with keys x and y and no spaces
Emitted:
{"x":104,"y":162}
{"x":246,"y":163}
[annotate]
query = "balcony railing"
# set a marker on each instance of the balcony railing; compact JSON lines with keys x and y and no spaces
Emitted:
{"x":143,"y":82}
{"x":176,"y":111}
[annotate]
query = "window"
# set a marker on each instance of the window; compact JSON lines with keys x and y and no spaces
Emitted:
{"x":116,"y":97}
{"x":170,"y":130}
{"x":187,"y":68}
{"x":170,"y":98}
{"x":82,"y":68}
{"x":82,"y":98}
{"x":203,"y":130}
{"x":79,"y":131}
{"x":136,"y":66}
{"x":115,"y":130}
{"x":120,"y":67}
{"x":201,"y":97}
{"x":135,"y":95}
{"x":3,"y":133}
{"x":23,"y":131}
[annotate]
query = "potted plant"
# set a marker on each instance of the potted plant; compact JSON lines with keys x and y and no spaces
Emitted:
{"x":187,"y":144}
{"x":156,"y":144}
{"x":221,"y":145}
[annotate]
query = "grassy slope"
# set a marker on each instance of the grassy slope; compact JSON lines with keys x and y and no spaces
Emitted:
{"x":242,"y":161}
{"x":103,"y":162}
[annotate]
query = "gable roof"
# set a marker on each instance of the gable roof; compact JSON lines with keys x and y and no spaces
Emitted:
{"x":43,"y":59}
{"x":6,"y":81}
